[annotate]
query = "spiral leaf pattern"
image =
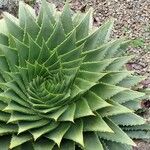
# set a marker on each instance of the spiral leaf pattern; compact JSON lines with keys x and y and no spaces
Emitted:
{"x":64,"y":85}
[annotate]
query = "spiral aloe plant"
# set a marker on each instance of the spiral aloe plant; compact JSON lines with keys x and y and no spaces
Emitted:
{"x":64,"y":85}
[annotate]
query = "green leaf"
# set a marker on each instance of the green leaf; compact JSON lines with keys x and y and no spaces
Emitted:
{"x":99,"y":37}
{"x":44,"y":53}
{"x":75,"y":132}
{"x":96,"y":66}
{"x":4,"y":142}
{"x":27,"y":21}
{"x":7,"y":128}
{"x":4,"y":116}
{"x":114,"y":47}
{"x":45,"y":30}
{"x":114,"y":109}
{"x":57,"y":134}
{"x":17,"y":116}
{"x":95,"y":123}
{"x":144,"y":127}
{"x":13,"y":26}
{"x":90,"y":76}
{"x":68,"y":115}
{"x":3,"y":39}
{"x":82,"y":109}
{"x":117,"y":146}
{"x":11,"y":56}
{"x":115,"y":77}
{"x":66,"y":17}
{"x":131,"y":81}
{"x":127,"y":119}
{"x":94,"y":101}
{"x":96,"y":54}
{"x":19,"y":139}
{"x":56,"y":37}
{"x":117,"y":136}
{"x":70,"y":145}
{"x":34,"y":50}
{"x":83,"y":27}
{"x":118,"y":63}
{"x":27,"y":145}
{"x":3,"y":27}
{"x":44,"y":129}
{"x":92,"y":141}
{"x":45,"y":9}
{"x":71,"y":54}
{"x":67,"y":45}
{"x":27,"y":125}
{"x":55,"y":115}
{"x":13,"y":106}
{"x":138,"y":134}
{"x":127,"y":95}
{"x":134,"y":105}
{"x":23,"y":52}
{"x":4,"y":63}
{"x":107,"y":90}
{"x":43,"y":144}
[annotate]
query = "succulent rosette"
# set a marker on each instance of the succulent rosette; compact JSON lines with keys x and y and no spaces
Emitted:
{"x":64,"y":85}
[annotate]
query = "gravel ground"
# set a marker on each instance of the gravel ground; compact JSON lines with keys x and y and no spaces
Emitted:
{"x":132,"y":20}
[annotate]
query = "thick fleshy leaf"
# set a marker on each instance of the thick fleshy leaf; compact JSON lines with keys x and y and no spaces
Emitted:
{"x":92,"y":142}
{"x":27,"y":21}
{"x":11,"y":56}
{"x":139,"y":134}
{"x":3,"y":28}
{"x":99,"y":37}
{"x":13,"y":26}
{"x":56,"y":37}
{"x":43,"y":144}
{"x":118,"y":135}
{"x":25,"y":126}
{"x":70,"y":145}
{"x":68,"y":115}
{"x":44,"y":129}
{"x":75,"y":132}
{"x":117,"y":146}
{"x":127,"y":119}
{"x":82,"y":109}
{"x":95,"y":123}
{"x":67,"y":17}
{"x":19,"y":139}
{"x":7,"y":128}
{"x":95,"y":102}
{"x":57,"y":134}
{"x":114,"y":109}
{"x":84,"y":26}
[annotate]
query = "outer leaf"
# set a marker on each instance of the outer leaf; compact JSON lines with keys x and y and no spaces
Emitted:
{"x":92,"y":142}
{"x":66,"y":17}
{"x":19,"y":139}
{"x":95,"y":123}
{"x":117,"y":136}
{"x":117,"y":146}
